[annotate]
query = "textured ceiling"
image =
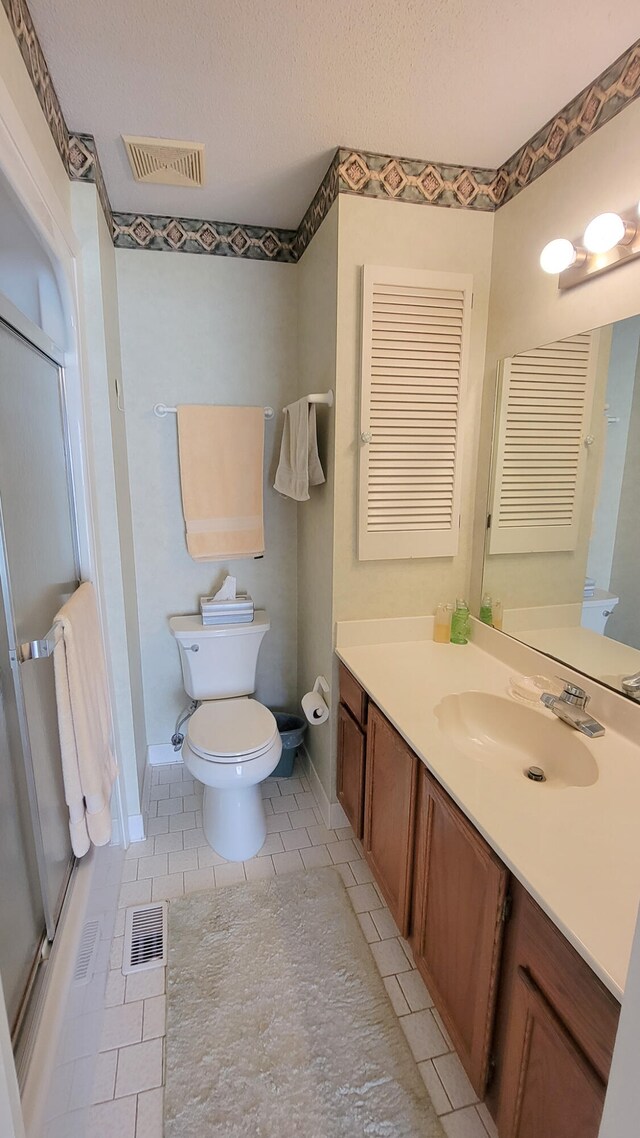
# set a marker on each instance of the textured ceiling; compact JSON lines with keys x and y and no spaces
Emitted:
{"x":273,"y":87}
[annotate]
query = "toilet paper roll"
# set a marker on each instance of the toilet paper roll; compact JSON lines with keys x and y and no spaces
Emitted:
{"x":315,"y":708}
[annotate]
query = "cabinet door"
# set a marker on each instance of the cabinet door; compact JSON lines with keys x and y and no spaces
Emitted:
{"x":350,"y":775}
{"x":391,"y":779}
{"x":537,"y":958}
{"x":352,"y":695}
{"x":458,"y":920}
{"x":549,"y":1087}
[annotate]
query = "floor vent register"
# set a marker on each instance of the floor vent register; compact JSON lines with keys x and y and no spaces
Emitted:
{"x":145,"y":937}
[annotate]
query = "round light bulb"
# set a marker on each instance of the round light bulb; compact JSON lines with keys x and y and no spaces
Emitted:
{"x":604,"y":233}
{"x":557,"y":256}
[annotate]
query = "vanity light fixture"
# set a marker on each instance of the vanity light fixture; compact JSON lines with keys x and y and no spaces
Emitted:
{"x":605,"y":232}
{"x":610,"y":239}
{"x":558,"y":255}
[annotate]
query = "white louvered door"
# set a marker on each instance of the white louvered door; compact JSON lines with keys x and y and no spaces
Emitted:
{"x":544,"y":409}
{"x":415,"y":332}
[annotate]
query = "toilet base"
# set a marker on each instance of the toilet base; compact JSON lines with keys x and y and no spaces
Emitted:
{"x":234,"y":821}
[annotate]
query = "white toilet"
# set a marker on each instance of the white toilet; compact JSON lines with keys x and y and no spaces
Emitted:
{"x":597,"y":609}
{"x":232,"y":742}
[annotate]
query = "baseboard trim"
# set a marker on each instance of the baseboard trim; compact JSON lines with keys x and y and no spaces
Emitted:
{"x":136,"y":828}
{"x":160,"y":753}
{"x":337,"y":817}
{"x":332,"y":813}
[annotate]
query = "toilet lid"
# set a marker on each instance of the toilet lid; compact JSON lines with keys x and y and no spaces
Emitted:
{"x":230,"y":729}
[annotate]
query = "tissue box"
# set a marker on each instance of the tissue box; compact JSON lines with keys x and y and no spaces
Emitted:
{"x":241,"y":603}
{"x":236,"y":610}
{"x":228,"y":618}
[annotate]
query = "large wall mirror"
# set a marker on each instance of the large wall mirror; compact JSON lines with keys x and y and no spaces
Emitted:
{"x":562,"y":547}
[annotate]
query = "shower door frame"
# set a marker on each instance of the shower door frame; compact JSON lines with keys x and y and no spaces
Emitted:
{"x":33,"y":339}
{"x":41,"y":190}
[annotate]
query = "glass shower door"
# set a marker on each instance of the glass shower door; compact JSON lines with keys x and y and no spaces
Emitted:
{"x":38,"y":571}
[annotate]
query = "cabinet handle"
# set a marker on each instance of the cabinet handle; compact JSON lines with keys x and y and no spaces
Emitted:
{"x":366,"y":436}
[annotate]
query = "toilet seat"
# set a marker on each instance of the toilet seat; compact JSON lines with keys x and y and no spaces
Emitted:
{"x":231,"y":730}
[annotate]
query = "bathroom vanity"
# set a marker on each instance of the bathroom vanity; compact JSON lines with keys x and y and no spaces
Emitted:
{"x":492,"y":878}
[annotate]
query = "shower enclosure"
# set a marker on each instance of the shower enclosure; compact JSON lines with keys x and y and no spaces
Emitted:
{"x":38,"y":571}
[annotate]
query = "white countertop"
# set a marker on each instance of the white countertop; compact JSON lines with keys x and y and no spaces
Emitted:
{"x":607,"y":659}
{"x":576,"y":849}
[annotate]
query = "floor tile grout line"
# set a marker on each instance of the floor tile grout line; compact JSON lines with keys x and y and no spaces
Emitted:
{"x":344,"y":868}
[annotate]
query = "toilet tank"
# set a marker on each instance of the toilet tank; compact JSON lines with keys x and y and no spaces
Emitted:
{"x":219,"y":661}
{"x":597,"y":610}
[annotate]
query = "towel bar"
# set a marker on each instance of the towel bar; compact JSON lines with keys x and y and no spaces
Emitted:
{"x":161,"y":409}
{"x":323,"y":397}
{"x":37,"y":649}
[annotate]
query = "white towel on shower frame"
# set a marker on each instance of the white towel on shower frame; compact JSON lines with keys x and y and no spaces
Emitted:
{"x":84,"y":720}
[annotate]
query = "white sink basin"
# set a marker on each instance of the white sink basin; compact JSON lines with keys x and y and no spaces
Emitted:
{"x":510,"y":738}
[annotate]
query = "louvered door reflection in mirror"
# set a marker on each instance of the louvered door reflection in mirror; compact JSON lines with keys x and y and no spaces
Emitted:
{"x":563,"y":537}
{"x":544,"y":410}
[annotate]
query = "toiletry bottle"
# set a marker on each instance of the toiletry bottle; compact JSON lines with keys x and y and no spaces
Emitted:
{"x":486,"y":614}
{"x":442,"y":623}
{"x":496,"y":610}
{"x":460,"y":627}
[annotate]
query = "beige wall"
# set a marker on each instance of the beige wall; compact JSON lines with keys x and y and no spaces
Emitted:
{"x":198,"y":329}
{"x":113,"y":385}
{"x":112,"y":516}
{"x":526,"y":309}
{"x":419,"y":237}
{"x":317,"y":301}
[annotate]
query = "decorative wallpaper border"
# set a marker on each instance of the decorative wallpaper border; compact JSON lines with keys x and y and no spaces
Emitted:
{"x":596,"y":105}
{"x":323,"y":199}
{"x":26,"y":36}
{"x":350,"y":171}
{"x":412,"y":180}
{"x":83,"y":165}
{"x":187,"y":235}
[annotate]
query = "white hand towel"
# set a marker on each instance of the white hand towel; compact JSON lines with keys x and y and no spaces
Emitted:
{"x":84,"y":718}
{"x":299,"y":466}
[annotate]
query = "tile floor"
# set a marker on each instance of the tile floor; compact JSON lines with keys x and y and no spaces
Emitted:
{"x":175,"y":859}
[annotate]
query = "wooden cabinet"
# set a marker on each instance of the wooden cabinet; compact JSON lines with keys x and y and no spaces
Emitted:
{"x":531,"y":1023}
{"x":548,"y":1086}
{"x":353,"y":696}
{"x":350,"y":772}
{"x":352,"y":734}
{"x":554,"y":1035}
{"x":460,"y":888}
{"x":391,"y":783}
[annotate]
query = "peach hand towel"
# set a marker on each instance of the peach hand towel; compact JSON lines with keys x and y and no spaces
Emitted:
{"x":84,"y":720}
{"x":221,"y":451}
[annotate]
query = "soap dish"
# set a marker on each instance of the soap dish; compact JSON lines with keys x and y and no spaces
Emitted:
{"x":528,"y":689}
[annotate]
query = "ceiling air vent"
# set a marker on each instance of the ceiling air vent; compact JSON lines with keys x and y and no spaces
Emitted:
{"x":145,"y":937}
{"x":166,"y":161}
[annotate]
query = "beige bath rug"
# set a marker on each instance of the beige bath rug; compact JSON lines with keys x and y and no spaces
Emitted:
{"x":278,"y":1024}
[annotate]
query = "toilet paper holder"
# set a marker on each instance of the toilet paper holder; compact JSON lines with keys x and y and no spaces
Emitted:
{"x":322,"y":688}
{"x":315,"y":703}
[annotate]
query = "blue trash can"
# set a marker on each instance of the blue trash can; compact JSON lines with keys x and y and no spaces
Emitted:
{"x":292,"y":729}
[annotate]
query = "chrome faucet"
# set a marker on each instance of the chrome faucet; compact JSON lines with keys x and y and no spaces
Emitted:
{"x":570,"y":707}
{"x":631,"y":685}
